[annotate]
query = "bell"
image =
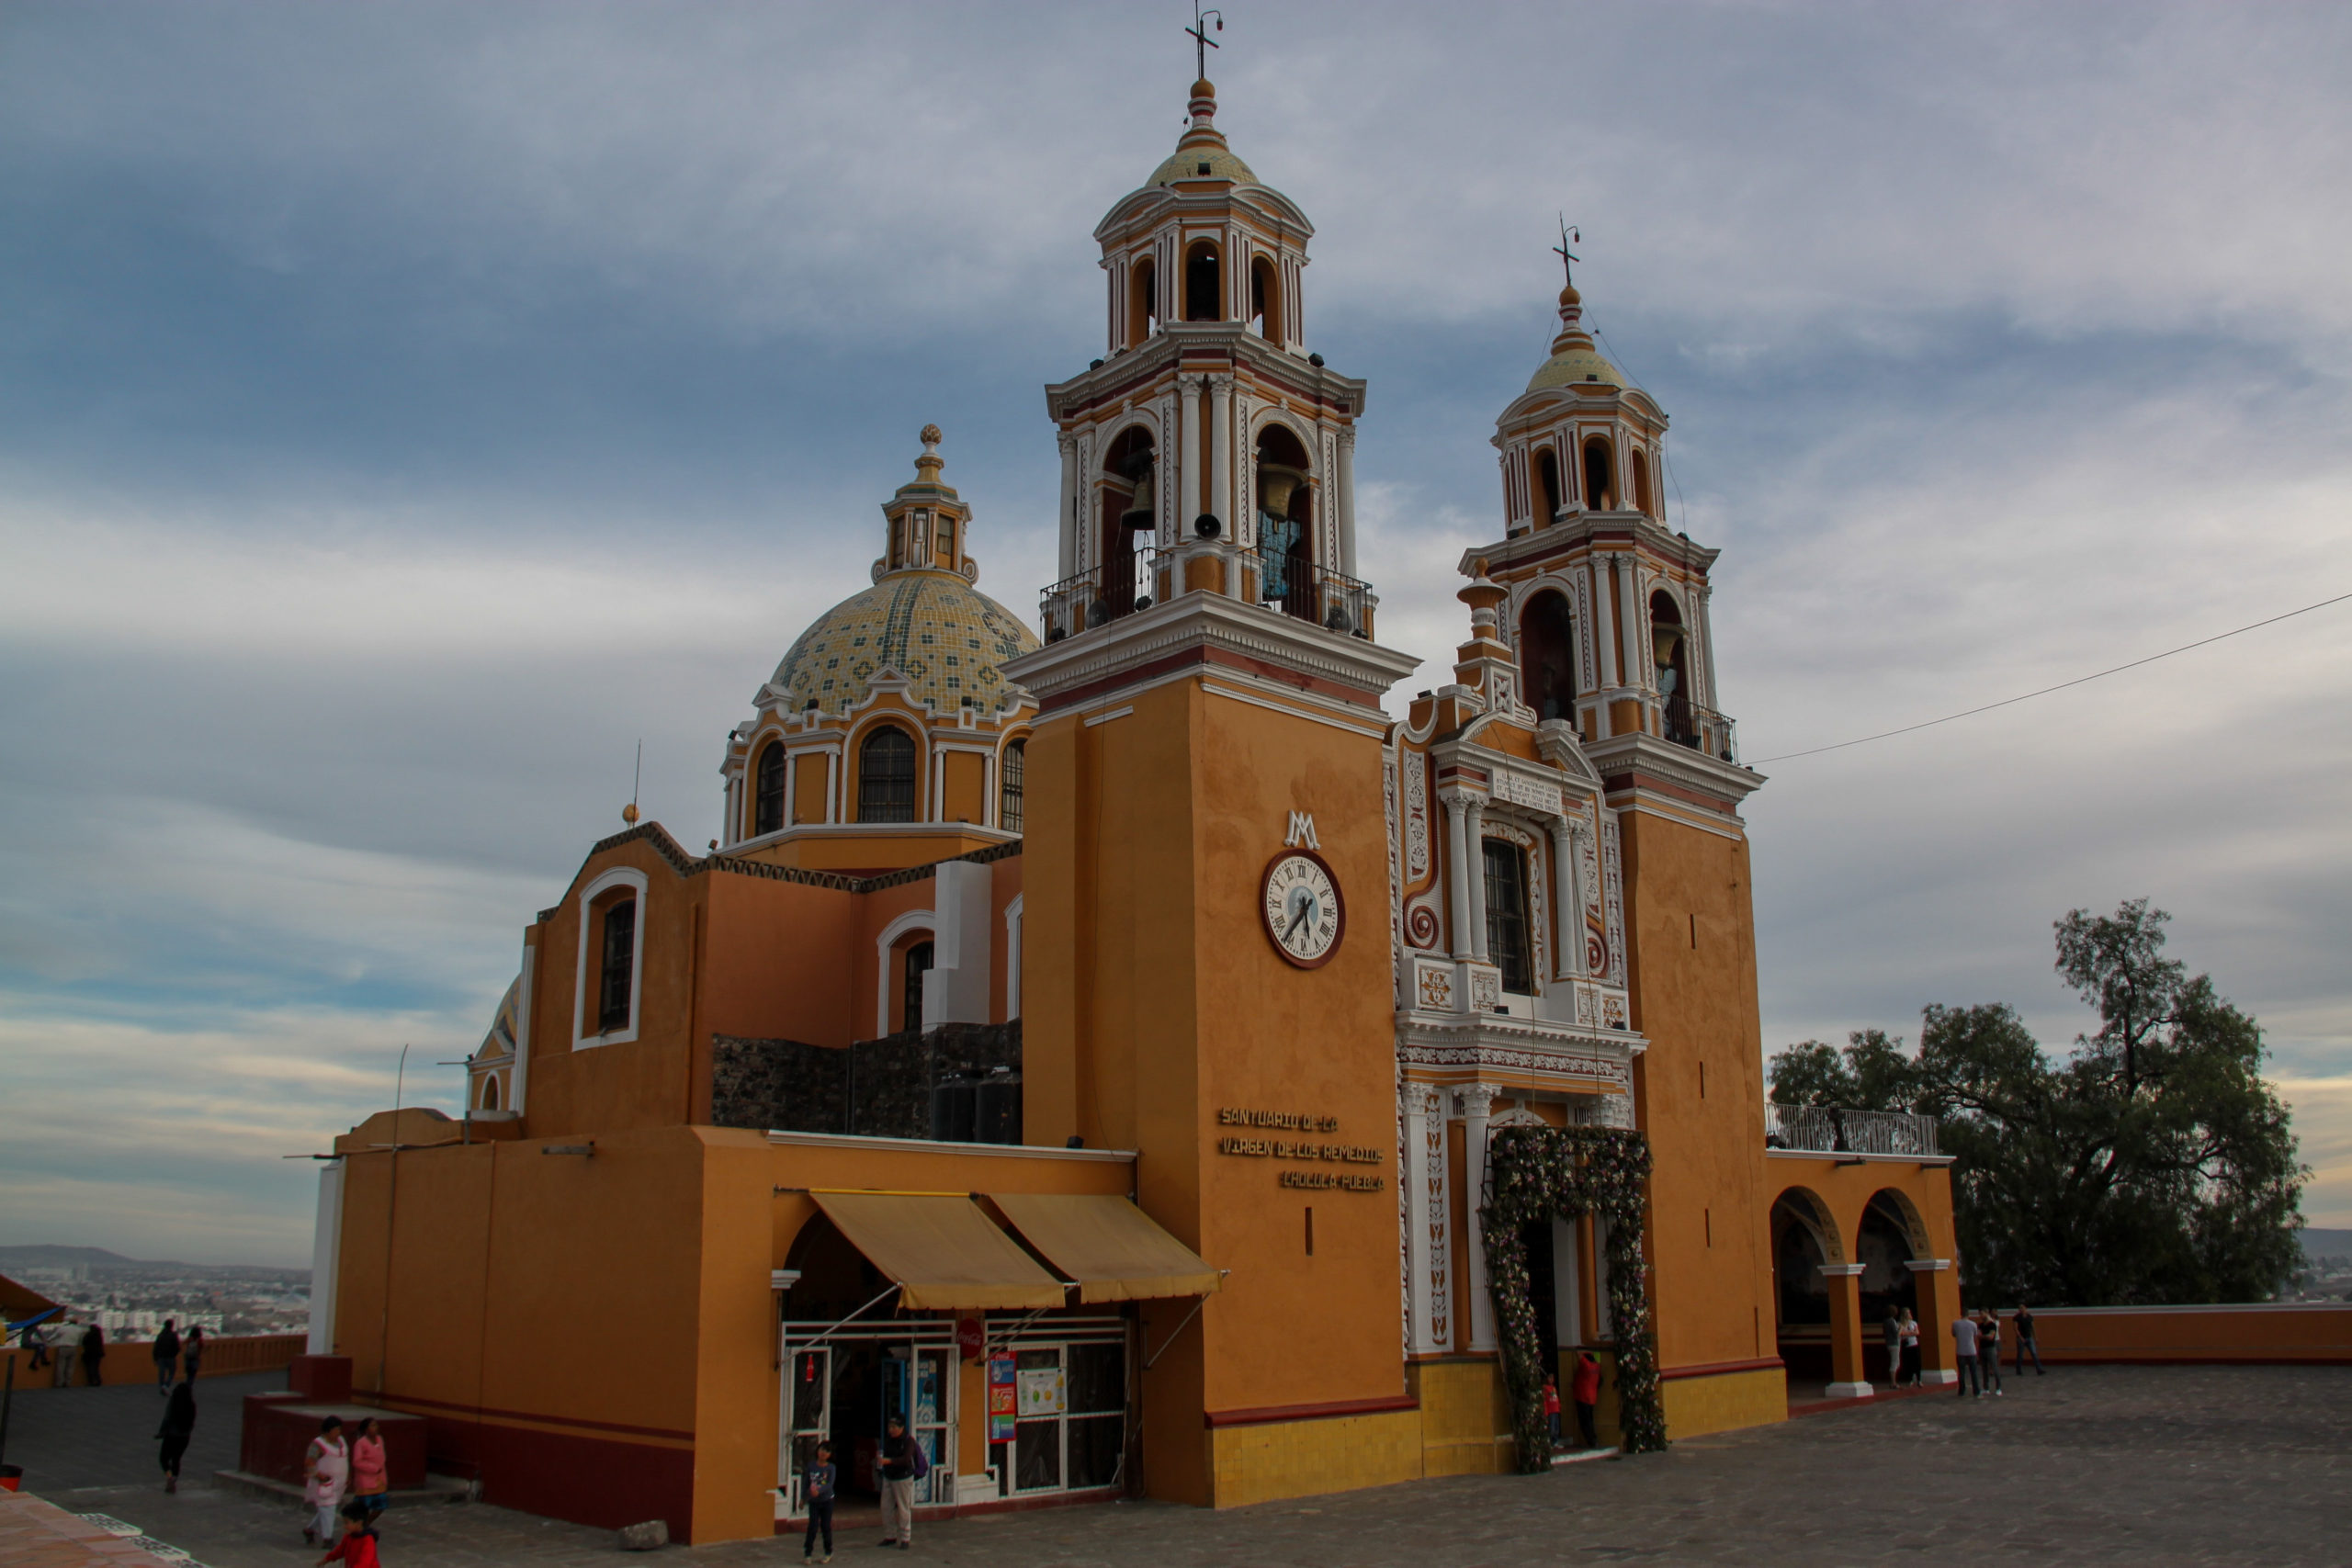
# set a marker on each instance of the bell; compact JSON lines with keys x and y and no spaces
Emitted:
{"x":1665,"y":636}
{"x":1276,"y":485}
{"x":1143,"y":510}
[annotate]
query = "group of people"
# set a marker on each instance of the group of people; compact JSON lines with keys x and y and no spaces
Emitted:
{"x":175,"y":1356}
{"x":346,"y":1481}
{"x":1976,"y":1348}
{"x":1584,"y":1391}
{"x":901,"y":1461}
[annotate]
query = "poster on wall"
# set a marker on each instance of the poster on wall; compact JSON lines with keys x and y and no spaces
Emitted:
{"x":1003,"y":1399}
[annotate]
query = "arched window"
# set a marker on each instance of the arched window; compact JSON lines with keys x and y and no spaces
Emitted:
{"x":1143,"y":312}
{"x":767,"y":792}
{"x":1286,"y":524}
{"x":1600,"y":494}
{"x":1203,"y":283}
{"x":886,"y":776}
{"x":1008,"y":811}
{"x":1130,"y":506}
{"x":1507,"y":921}
{"x":918,"y":965}
{"x":1547,"y":487}
{"x":1547,"y":659}
{"x":1669,"y":647}
{"x":616,"y":971}
{"x":1642,"y":482}
{"x":1266,"y":299}
{"x":489,"y":1092}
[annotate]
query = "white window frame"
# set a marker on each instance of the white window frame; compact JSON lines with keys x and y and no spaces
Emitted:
{"x":619,"y":876}
{"x":913,"y":919}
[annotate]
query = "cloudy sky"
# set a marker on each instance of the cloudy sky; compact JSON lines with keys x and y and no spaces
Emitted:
{"x":404,"y":410}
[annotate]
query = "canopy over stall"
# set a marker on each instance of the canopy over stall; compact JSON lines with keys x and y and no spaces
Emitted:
{"x":944,"y":1253}
{"x":1114,"y":1250}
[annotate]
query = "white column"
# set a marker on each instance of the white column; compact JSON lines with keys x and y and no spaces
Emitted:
{"x":1420,"y":1105}
{"x":1476,"y":868}
{"x":1220,"y":456}
{"x":1567,"y":909}
{"x":1188,"y":441}
{"x":1070,"y":509}
{"x":1704,"y":623}
{"x":1636,"y":623}
{"x":1348,"y":503}
{"x":791,"y":786}
{"x":832,"y":786}
{"x":1457,"y":870}
{"x":326,"y":1259}
{"x":732,"y":805}
{"x":1603,"y":637}
{"x":1477,"y":1102}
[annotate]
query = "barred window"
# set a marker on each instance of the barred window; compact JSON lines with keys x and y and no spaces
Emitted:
{"x":620,"y":971}
{"x":918,"y":965}
{"x":1507,"y":916}
{"x":767,"y":810}
{"x":886,"y":776}
{"x":1008,"y":815}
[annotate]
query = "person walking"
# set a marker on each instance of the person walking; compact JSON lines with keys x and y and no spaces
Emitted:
{"x":34,"y":1336}
{"x":192,"y":1352}
{"x":357,"y":1546}
{"x":167,"y":1351}
{"x":1891,"y":1329}
{"x":1551,"y":1410}
{"x":326,"y":1466}
{"x":94,"y":1355}
{"x":2022,"y":1326}
{"x":371,"y":1478}
{"x":1910,"y":1348}
{"x":821,"y":1481}
{"x":1963,"y":1344}
{"x":1584,"y":1389}
{"x":1988,"y":1351}
{"x":901,"y":1456}
{"x":179,"y":1425}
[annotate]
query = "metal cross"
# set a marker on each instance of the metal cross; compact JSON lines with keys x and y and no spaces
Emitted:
{"x":1567,"y":258}
{"x":1201,"y":43}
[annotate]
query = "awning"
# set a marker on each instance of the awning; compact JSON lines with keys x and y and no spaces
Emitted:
{"x":1114,"y":1250}
{"x":944,"y":1254}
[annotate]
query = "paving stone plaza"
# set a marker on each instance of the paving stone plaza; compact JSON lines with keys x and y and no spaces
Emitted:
{"x":2138,"y":1465}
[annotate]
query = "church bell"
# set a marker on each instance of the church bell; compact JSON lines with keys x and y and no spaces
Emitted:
{"x":1143,"y":511}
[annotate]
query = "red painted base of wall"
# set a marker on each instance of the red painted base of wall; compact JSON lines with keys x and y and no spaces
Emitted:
{"x":604,"y":1481}
{"x":278,"y":1428}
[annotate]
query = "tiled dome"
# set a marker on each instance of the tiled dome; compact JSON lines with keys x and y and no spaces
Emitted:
{"x":945,"y":636}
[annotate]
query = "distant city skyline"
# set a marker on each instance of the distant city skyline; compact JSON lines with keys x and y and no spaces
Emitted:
{"x":410,"y":408}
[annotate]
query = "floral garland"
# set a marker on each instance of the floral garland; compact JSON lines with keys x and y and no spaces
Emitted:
{"x":1536,"y":1173}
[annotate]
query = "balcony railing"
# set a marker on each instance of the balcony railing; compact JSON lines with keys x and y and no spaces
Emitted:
{"x":1301,"y":589}
{"x":1702,"y":729}
{"x":1827,"y":1129}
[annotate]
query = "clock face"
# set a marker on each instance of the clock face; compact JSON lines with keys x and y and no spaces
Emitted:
{"x":1302,"y":908}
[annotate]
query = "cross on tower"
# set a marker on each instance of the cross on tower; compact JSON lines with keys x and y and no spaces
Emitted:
{"x":1201,"y":43}
{"x":1567,"y":258}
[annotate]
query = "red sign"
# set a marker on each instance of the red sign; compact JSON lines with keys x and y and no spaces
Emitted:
{"x":969,"y":1337}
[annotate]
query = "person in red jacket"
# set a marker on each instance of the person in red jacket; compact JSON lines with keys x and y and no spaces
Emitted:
{"x":1585,"y":1389}
{"x":357,"y":1546}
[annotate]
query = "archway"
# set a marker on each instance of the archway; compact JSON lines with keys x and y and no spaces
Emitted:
{"x":1547,"y":661}
{"x":1130,"y":491}
{"x":1266,"y":300}
{"x":1204,"y":283}
{"x":1285,"y":524}
{"x":1669,"y":645}
{"x":1816,"y":1329}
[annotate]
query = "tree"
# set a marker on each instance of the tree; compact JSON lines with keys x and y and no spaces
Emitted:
{"x":2153,"y":1164}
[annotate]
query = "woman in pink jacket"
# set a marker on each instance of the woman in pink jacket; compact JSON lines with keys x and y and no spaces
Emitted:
{"x":370,"y":1483}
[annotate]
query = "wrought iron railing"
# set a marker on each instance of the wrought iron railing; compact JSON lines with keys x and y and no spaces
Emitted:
{"x":1306,"y":591}
{"x":1328,"y":599}
{"x":1829,"y":1129}
{"x":1685,"y":723}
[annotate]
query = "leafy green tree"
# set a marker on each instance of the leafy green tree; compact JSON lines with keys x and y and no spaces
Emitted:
{"x":2153,"y":1164}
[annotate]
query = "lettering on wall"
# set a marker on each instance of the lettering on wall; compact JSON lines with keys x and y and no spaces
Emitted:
{"x":1300,"y":1149}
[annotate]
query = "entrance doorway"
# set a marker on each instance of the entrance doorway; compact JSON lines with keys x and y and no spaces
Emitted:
{"x":844,"y":1388}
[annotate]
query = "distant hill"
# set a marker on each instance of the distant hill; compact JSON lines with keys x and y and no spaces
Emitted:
{"x":2326,"y":1244}
{"x":99,"y":1259}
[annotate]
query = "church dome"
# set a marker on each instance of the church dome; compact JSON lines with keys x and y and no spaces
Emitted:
{"x":1575,"y":364}
{"x":933,"y":628}
{"x":1202,"y":154}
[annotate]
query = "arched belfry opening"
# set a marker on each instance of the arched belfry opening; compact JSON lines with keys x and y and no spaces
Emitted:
{"x":1285,"y":524}
{"x":1203,"y":282}
{"x":1547,"y":661}
{"x":1599,"y":478}
{"x":1143,"y":305}
{"x":1266,"y":300}
{"x":1130,"y":514}
{"x":1642,"y":495}
{"x":1547,"y":486}
{"x":1669,"y":645}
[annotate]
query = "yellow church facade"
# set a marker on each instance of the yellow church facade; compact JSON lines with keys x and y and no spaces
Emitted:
{"x":1089,"y":1043}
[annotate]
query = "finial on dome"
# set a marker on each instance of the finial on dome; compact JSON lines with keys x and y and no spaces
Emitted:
{"x":1201,"y":43}
{"x":927,"y":467}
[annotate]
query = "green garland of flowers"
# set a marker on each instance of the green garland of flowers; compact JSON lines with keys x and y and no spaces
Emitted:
{"x":1536,"y":1173}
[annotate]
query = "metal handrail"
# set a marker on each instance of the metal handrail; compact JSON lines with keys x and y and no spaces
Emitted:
{"x":1829,"y":1129}
{"x":1685,"y":723}
{"x":1316,"y":595}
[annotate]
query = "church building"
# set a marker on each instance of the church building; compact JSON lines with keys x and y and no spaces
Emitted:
{"x":1117,"y":1045}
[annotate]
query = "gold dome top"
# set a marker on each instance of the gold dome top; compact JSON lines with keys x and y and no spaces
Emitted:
{"x":1575,"y":359}
{"x":1202,"y":155}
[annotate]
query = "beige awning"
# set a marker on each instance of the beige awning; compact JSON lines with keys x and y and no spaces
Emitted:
{"x":1114,"y":1250}
{"x":945,"y":1252}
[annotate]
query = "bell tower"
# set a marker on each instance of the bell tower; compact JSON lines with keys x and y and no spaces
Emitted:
{"x":1206,"y":973}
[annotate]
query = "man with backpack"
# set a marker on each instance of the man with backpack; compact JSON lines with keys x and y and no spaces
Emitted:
{"x":903,"y":1464}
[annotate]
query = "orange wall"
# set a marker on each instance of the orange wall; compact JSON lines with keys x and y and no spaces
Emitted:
{"x":961,"y":798}
{"x":1694,"y":997}
{"x":808,"y":787}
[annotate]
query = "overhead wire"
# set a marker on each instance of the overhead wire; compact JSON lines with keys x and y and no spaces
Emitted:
{"x":2063,"y":685}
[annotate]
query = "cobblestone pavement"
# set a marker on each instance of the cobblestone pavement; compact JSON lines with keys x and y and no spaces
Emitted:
{"x":2150,"y":1467}
{"x":71,"y":1437}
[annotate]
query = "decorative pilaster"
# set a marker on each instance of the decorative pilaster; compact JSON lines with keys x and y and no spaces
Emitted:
{"x":1631,"y":618}
{"x":1421,"y":1179}
{"x":1220,"y":454}
{"x":1348,"y":502}
{"x":1184,"y":477}
{"x":1567,"y":904}
{"x":1457,"y":869}
{"x":1068,"y":443}
{"x":1474,"y":872}
{"x":1476,"y":1100}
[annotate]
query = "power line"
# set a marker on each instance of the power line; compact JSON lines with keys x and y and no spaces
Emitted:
{"x":2077,"y":681}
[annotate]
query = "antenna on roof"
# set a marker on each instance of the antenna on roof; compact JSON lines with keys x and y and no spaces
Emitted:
{"x":628,"y":812}
{"x":1201,"y":43}
{"x":1568,"y":236}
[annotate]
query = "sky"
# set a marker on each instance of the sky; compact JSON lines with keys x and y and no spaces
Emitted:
{"x":407,"y":409}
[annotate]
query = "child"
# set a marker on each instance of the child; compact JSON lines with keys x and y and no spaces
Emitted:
{"x":819,"y":1478}
{"x":357,"y":1546}
{"x":1552,"y":1411}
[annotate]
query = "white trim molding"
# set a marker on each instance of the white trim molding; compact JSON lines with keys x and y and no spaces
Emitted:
{"x":619,"y":876}
{"x":1012,"y":958}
